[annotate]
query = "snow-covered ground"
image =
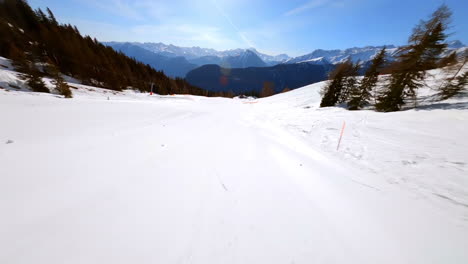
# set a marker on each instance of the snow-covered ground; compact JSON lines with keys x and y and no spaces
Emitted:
{"x":126,"y":177}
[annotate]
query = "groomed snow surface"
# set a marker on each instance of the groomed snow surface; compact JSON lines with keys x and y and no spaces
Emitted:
{"x":130,"y":178}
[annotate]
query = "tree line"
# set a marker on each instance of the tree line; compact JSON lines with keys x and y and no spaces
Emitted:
{"x":40,"y":46}
{"x":406,"y":75}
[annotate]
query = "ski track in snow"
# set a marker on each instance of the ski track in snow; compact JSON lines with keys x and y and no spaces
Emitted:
{"x":185,"y":179}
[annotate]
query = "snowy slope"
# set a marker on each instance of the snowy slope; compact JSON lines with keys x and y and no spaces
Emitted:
{"x":421,"y":150}
{"x":185,"y":179}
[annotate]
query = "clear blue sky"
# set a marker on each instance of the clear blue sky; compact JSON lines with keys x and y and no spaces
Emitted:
{"x":294,"y":27}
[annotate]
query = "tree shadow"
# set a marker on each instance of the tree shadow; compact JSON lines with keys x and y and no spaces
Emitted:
{"x":443,"y":106}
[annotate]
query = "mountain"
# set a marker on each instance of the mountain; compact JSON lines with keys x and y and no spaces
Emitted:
{"x":203,"y":56}
{"x":175,"y":51}
{"x":244,"y":59}
{"x":364,"y":54}
{"x":271,"y":60}
{"x":170,"y":65}
{"x":247,"y":80}
{"x":321,"y":56}
{"x":193,"y":53}
{"x":176,"y":61}
{"x":456,"y":44}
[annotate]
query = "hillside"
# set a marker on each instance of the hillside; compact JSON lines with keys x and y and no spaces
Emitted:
{"x":39,"y":44}
{"x":115,"y":177}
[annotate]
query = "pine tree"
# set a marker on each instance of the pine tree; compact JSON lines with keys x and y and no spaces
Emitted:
{"x":454,"y":85}
{"x":30,"y":73}
{"x":285,"y":90}
{"x":426,"y":45}
{"x":60,"y":84}
{"x":268,"y":89}
{"x":333,"y":92}
{"x":360,"y":96}
{"x":52,"y":17}
{"x":448,"y":60}
{"x":20,"y":61}
{"x":350,"y":82}
{"x":34,"y":80}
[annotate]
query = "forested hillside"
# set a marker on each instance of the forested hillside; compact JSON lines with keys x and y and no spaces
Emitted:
{"x":34,"y":38}
{"x":257,"y":80}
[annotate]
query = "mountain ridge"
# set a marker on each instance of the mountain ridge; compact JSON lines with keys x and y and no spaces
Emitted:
{"x":178,"y":66}
{"x":363,"y":54}
{"x":197,"y":52}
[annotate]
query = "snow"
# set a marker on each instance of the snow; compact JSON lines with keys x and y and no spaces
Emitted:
{"x":187,"y":179}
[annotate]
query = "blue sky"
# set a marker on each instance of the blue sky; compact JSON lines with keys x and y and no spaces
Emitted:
{"x":294,"y":27}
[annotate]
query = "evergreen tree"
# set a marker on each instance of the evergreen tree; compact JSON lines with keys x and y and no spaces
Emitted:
{"x":20,"y":61}
{"x":268,"y":89}
{"x":285,"y":90}
{"x":361,"y":94}
{"x":332,"y":93}
{"x":60,"y":84}
{"x":30,"y":73}
{"x":52,"y":17}
{"x":350,"y":82}
{"x":426,"y":45}
{"x":34,"y":80}
{"x":448,"y":60}
{"x":454,"y":85}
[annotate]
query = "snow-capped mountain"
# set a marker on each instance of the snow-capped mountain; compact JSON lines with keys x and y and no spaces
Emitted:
{"x":196,"y":52}
{"x":271,"y":59}
{"x":178,"y":61}
{"x":321,"y":56}
{"x":364,"y":54}
{"x":245,"y":59}
{"x":456,"y":44}
{"x":179,"y":66}
{"x":175,"y":51}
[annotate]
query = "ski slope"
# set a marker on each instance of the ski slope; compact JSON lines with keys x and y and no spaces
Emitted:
{"x":130,"y":178}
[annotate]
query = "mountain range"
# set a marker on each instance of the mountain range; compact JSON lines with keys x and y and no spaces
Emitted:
{"x":364,"y":54}
{"x":197,"y":52}
{"x":249,"y":69}
{"x":178,"y":61}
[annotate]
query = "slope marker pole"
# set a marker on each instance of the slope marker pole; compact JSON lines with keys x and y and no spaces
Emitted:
{"x":341,"y":135}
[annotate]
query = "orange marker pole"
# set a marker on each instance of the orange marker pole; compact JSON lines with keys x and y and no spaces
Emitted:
{"x":341,"y":135}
